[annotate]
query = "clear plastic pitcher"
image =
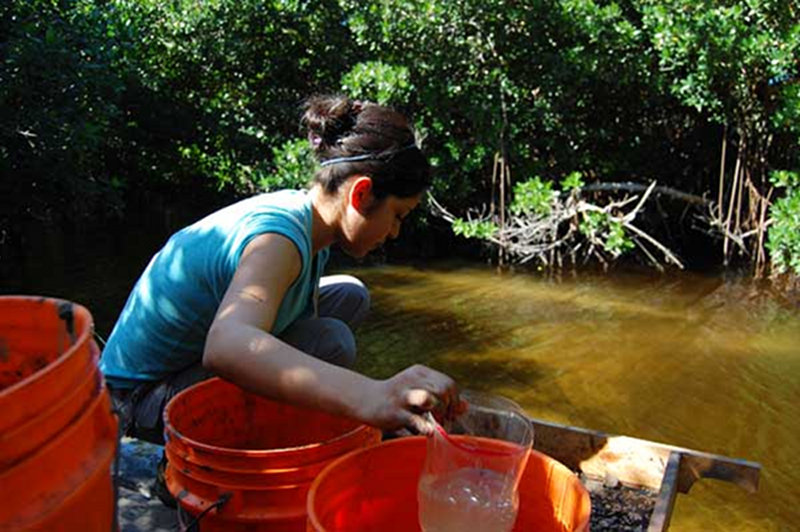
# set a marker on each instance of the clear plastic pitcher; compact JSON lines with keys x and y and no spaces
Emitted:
{"x":473,"y":467}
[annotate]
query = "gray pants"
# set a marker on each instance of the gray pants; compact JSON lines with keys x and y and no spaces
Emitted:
{"x":343,"y":304}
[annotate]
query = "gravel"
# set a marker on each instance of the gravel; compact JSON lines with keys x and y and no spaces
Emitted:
{"x":618,"y":507}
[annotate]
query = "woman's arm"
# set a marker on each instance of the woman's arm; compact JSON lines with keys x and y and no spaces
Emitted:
{"x":239,"y":349}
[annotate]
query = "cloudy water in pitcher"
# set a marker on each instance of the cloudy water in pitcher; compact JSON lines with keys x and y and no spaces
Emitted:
{"x":477,"y":500}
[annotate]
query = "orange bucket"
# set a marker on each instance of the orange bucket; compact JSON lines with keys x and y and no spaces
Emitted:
{"x":252,"y":457}
{"x":57,"y":432}
{"x":375,"y":490}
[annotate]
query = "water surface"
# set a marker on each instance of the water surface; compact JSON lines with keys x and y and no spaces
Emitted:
{"x":688,"y":360}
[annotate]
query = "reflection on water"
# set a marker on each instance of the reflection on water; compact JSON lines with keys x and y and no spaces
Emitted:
{"x":687,"y":360}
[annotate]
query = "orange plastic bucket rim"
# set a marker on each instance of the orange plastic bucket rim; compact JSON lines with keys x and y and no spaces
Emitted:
{"x":333,"y":469}
{"x":84,"y":335}
{"x":96,"y":429}
{"x":170,"y":430}
{"x":24,"y":438}
{"x":266,"y":473}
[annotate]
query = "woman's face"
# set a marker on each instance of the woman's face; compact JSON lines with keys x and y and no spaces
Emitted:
{"x":368,"y":225}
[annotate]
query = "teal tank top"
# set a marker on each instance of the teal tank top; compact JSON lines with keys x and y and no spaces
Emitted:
{"x":162,"y":328}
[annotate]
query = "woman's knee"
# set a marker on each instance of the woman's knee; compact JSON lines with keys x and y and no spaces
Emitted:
{"x":344,"y":297}
{"x":359,"y":294}
{"x":336,"y":343}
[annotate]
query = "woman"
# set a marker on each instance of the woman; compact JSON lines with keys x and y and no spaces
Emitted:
{"x":239,"y":294}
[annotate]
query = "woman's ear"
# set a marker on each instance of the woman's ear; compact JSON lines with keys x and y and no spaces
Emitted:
{"x":361,"y":194}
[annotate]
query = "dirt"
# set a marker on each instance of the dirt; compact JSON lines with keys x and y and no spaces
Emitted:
{"x":139,"y":509}
{"x":618,"y":507}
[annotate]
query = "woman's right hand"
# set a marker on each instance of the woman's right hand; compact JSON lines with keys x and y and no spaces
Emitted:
{"x":402,"y":400}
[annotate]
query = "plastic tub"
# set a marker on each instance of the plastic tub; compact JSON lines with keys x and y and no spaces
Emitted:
{"x":252,"y":457}
{"x":375,"y":489}
{"x":66,"y":484}
{"x":57,"y":432}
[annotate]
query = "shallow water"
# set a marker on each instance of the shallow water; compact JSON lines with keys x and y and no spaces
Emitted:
{"x":688,"y":360}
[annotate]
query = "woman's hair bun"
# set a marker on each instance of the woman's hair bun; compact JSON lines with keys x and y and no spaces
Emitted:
{"x":363,"y":138}
{"x":328,"y":119}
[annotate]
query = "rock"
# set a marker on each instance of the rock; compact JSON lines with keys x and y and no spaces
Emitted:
{"x":611,"y":480}
{"x":138,"y":511}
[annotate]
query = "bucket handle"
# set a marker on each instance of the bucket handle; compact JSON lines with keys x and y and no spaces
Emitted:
{"x":219,"y":503}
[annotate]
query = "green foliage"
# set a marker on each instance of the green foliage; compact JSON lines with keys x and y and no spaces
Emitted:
{"x":533,"y":197}
{"x":573,"y":182}
{"x":474,"y":229}
{"x":99,"y":95}
{"x":378,"y":82}
{"x":617,"y":240}
{"x":785,"y":179}
{"x":592,"y":223}
{"x":534,"y":202}
{"x":598,"y":226}
{"x":59,"y":97}
{"x":231,"y":75}
{"x":720,"y":59}
{"x":460,"y":83}
{"x":718,"y":55}
{"x":551,"y":82}
{"x":786,"y":117}
{"x":224,"y":168}
{"x":100,"y":98}
{"x":783,"y":241}
{"x":294,"y":166}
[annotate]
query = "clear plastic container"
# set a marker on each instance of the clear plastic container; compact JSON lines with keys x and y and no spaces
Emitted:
{"x":473,"y":467}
